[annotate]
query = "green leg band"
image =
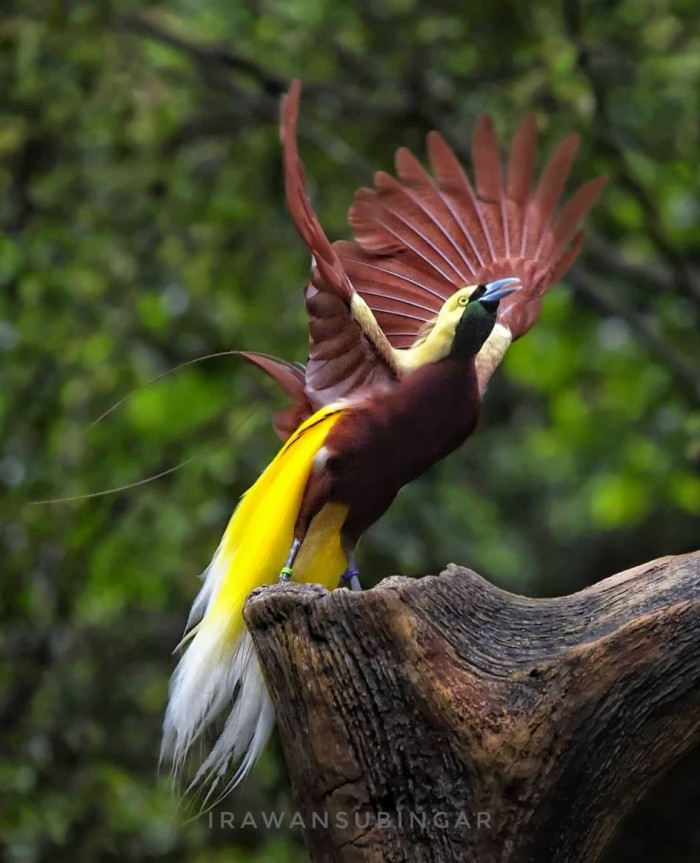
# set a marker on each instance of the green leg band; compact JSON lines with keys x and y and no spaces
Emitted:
{"x":286,"y":571}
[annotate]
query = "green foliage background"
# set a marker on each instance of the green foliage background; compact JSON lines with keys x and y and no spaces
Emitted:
{"x":143,"y":225}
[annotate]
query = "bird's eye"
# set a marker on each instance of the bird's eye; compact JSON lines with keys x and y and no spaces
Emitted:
{"x":462,"y":301}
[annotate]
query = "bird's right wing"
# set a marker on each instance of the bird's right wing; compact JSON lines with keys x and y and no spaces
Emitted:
{"x":347,"y":349}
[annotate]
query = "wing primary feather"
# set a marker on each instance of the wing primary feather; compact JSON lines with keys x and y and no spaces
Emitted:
{"x":431,"y":313}
{"x":486,"y":161}
{"x":343,"y":348}
{"x":363,"y":263}
{"x":574,"y":212}
{"x":399,"y":192}
{"x":404,"y":237}
{"x":389,"y":182}
{"x":325,"y":259}
{"x":565,"y":261}
{"x":521,"y":169}
{"x":452,"y":181}
{"x":416,"y":179}
{"x":551,"y":185}
{"x":403,"y":335}
{"x":405,"y":315}
{"x":521,"y":160}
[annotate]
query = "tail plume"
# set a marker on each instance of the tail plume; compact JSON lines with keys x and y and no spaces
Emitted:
{"x":218,"y":683}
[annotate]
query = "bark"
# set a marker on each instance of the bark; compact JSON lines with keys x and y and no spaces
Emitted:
{"x":443,"y":719}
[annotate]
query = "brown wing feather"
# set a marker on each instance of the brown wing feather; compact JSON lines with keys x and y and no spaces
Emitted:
{"x":521,"y":170}
{"x":457,"y":191}
{"x":292,"y":380}
{"x":486,"y":159}
{"x":548,"y":193}
{"x":420,"y":239}
{"x":521,"y":161}
{"x":417,"y":183}
{"x":341,"y":357}
{"x":402,"y":222}
{"x":329,"y":270}
{"x":573,"y":214}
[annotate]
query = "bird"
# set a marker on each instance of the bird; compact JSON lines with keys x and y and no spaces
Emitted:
{"x":407,"y":323}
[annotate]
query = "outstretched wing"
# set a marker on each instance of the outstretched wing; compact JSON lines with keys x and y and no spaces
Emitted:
{"x":419,"y":239}
{"x":347,"y":349}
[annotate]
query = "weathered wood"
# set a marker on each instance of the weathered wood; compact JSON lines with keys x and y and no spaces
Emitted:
{"x":442,"y":719}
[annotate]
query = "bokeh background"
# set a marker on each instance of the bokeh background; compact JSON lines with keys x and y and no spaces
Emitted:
{"x":143,"y":225}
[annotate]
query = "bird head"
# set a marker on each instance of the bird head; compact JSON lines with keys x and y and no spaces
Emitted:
{"x":479,"y":309}
{"x":460,"y":328}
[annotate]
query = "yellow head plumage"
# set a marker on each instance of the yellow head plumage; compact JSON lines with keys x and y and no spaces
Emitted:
{"x":435,"y":341}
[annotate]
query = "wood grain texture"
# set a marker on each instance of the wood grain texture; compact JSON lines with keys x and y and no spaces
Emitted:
{"x":443,"y":719}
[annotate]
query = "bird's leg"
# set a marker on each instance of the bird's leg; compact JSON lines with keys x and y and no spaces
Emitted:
{"x":286,"y":571}
{"x":351,"y":577}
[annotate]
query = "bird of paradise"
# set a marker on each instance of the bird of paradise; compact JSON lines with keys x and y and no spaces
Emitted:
{"x":406,"y":326}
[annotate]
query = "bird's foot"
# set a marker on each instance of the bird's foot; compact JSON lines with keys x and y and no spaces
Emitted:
{"x":351,"y":579}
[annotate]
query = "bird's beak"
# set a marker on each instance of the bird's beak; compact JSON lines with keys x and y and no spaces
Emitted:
{"x":495,"y":291}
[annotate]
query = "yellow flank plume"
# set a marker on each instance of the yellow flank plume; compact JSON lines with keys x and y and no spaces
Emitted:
{"x":257,"y":540}
{"x":219,"y":670}
{"x":321,"y":559}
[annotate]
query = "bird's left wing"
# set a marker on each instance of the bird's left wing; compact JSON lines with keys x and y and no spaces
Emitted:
{"x":347,"y":349}
{"x":419,"y":238}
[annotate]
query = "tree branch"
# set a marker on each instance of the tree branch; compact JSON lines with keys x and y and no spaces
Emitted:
{"x":443,"y":719}
{"x":209,"y":58}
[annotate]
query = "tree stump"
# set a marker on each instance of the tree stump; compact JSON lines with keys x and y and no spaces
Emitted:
{"x":443,"y":719}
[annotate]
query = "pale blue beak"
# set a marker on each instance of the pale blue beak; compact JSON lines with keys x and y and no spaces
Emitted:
{"x":495,"y":291}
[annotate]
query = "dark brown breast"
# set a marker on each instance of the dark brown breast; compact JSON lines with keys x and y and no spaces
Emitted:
{"x":395,"y":436}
